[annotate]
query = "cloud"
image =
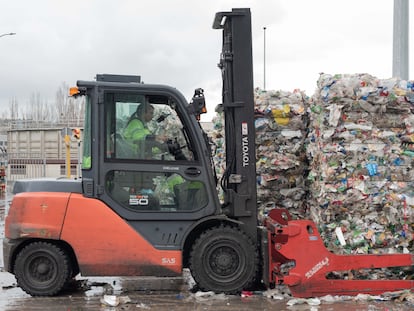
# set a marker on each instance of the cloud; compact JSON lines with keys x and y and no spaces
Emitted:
{"x":172,"y":42}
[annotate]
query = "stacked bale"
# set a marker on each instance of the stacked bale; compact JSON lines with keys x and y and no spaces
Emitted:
{"x":281,"y":125}
{"x":217,"y":140}
{"x":361,"y":162}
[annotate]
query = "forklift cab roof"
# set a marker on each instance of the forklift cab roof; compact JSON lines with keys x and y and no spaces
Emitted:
{"x":118,"y":78}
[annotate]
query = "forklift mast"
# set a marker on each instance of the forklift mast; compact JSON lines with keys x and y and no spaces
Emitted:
{"x":239,"y":180}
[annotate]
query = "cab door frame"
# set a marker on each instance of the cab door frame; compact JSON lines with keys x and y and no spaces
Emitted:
{"x":201,"y":164}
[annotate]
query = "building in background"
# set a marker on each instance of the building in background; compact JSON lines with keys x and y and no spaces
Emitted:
{"x":39,"y":150}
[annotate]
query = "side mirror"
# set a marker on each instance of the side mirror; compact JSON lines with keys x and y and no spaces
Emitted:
{"x":197,"y":105}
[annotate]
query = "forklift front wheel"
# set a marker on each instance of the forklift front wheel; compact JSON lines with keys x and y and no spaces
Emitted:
{"x":42,"y":269}
{"x":224,"y":259}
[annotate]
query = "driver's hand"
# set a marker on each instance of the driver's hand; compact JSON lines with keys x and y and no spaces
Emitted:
{"x":161,"y":138}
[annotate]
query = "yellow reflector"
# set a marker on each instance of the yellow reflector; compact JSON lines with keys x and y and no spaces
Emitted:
{"x":73,"y":91}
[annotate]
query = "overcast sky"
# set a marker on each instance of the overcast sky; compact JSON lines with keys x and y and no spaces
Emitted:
{"x":172,"y":42}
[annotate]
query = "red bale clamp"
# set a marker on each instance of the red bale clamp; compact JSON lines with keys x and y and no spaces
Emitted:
{"x":298,"y":245}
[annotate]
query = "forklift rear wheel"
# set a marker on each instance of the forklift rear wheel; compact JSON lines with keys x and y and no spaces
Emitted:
{"x":224,"y":260}
{"x":42,"y":269}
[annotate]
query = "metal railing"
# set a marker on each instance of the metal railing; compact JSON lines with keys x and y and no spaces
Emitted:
{"x":33,"y":165}
{"x":7,"y":125}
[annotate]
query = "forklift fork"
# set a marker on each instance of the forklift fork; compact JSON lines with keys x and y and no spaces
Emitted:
{"x":297,"y":245}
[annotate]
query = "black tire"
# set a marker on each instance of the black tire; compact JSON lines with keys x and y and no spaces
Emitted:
{"x":42,"y":269}
{"x":224,"y":260}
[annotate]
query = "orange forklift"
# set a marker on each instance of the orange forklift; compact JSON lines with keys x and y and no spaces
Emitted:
{"x":146,"y":207}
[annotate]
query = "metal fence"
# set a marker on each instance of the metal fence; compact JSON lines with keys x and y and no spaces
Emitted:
{"x":33,"y":165}
{"x":31,"y":124}
{"x":26,"y":168}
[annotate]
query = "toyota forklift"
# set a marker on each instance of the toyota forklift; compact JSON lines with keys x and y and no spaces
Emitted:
{"x":151,"y":208}
{"x":123,"y":217}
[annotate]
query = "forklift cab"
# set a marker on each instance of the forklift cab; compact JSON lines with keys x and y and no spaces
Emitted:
{"x":137,"y":174}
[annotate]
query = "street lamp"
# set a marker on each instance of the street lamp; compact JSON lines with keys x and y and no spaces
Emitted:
{"x":8,"y":34}
{"x":400,"y":52}
{"x":264,"y":58}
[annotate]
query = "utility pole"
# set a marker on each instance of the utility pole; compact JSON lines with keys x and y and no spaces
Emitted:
{"x":400,"y":61}
{"x":66,"y":132}
{"x":264,"y":58}
{"x":6,"y":205}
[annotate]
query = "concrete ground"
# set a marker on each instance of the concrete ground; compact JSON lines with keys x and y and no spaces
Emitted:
{"x":114,"y":294}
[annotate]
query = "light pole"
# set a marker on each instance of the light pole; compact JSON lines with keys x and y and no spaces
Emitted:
{"x":400,"y":50}
{"x":264,"y":58}
{"x":8,"y":34}
{"x":6,"y":205}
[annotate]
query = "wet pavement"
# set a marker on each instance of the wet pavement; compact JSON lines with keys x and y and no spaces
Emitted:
{"x":116,"y":294}
{"x":94,"y":298}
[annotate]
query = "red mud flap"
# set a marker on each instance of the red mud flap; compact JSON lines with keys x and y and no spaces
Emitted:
{"x":298,"y":243}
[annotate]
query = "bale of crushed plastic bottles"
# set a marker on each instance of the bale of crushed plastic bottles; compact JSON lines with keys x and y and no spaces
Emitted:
{"x":361,"y":149}
{"x":281,"y":126}
{"x":343,"y":157}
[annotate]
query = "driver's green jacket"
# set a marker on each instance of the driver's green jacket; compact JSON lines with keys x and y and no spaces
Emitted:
{"x":136,"y":131}
{"x":135,"y":134}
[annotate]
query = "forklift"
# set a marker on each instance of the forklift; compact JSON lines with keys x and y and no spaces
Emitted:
{"x":146,"y":207}
{"x":111,"y":222}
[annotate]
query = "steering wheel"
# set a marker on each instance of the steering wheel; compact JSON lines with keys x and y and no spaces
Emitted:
{"x":175,"y":149}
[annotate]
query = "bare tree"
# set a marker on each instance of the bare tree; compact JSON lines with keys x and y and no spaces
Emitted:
{"x":13,"y":109}
{"x":68,"y":108}
{"x":39,"y":110}
{"x":65,"y":109}
{"x":60,"y":102}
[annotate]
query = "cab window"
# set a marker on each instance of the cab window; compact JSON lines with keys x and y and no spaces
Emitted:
{"x":86,"y":158}
{"x":144,"y":127}
{"x":155,"y":191}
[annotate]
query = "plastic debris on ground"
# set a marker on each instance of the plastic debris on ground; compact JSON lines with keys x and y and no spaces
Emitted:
{"x":397,"y":296}
{"x":188,"y":279}
{"x":143,"y":306}
{"x":113,"y":300}
{"x":280,"y":292}
{"x":299,"y":301}
{"x":208,"y":296}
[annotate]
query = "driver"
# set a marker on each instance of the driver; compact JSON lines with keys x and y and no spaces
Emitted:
{"x":136,"y":132}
